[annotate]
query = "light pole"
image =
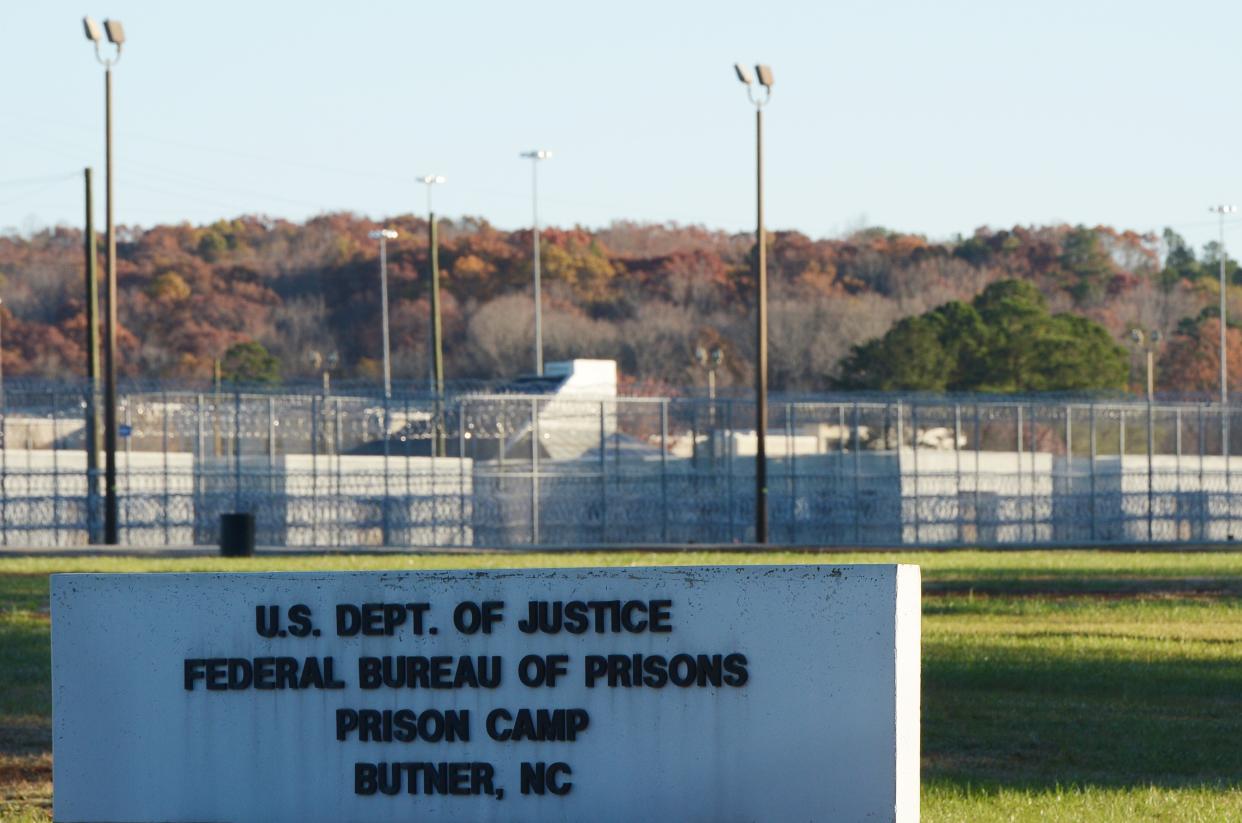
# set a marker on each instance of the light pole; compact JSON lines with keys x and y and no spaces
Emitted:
{"x":326,"y":363}
{"x":116,"y":36}
{"x":711,"y":361}
{"x":761,"y":280}
{"x":437,"y":346}
{"x":1221,"y":211}
{"x":535,"y":156}
{"x":92,"y":362}
{"x":384,"y":235}
{"x":1148,"y":341}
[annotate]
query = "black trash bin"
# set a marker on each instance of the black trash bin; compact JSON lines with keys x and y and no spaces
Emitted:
{"x":237,"y":535}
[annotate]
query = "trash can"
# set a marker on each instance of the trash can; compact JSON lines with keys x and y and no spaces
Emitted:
{"x":237,"y":535}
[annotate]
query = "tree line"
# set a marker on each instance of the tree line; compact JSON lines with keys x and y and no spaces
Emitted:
{"x":1014,"y":310}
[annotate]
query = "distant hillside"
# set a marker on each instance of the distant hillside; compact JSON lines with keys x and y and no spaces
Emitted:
{"x":646,"y":295}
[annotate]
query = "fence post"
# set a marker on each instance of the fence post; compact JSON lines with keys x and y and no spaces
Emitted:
{"x":534,"y":471}
{"x":385,"y":535}
{"x":1151,"y":490}
{"x":314,"y":443}
{"x":978,"y":449}
{"x":167,"y":480}
{"x":461,"y":470}
{"x":56,"y":504}
{"x":957,"y":467}
{"x":237,"y":451}
{"x":1094,"y":455}
{"x":1224,"y":451}
{"x":1177,"y":447}
{"x":664,"y":469}
{"x":914,"y":466}
{"x":199,"y":447}
{"x":603,"y":476}
{"x":1018,"y":432}
{"x":1069,"y":460}
{"x":336,"y":451}
{"x":792,"y":471}
{"x":857,"y":481}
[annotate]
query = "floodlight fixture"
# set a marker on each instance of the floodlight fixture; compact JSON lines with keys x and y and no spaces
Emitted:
{"x":431,"y":179}
{"x":764,"y":71}
{"x":116,"y":32}
{"x":537,"y":154}
{"x":387,"y":234}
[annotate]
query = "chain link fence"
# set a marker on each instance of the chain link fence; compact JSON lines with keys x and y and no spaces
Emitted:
{"x":484,"y":470}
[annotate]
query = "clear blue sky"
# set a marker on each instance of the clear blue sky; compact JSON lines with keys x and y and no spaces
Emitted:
{"x":927,"y":117}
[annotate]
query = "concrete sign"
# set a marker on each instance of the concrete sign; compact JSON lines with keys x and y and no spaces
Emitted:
{"x":692,"y":694}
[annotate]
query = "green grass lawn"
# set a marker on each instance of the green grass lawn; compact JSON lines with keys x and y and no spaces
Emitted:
{"x":1057,"y":686}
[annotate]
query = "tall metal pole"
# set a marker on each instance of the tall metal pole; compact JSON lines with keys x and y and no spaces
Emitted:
{"x":437,"y":348}
{"x":761,"y":366}
{"x":110,"y":423}
{"x":534,"y":157}
{"x":383,"y":238}
{"x":1224,"y":374}
{"x":92,"y":362}
{"x":764,"y":74}
{"x":1221,"y":211}
{"x":534,"y":197}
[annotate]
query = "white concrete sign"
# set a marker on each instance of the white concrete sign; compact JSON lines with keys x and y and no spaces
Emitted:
{"x":743,"y":693}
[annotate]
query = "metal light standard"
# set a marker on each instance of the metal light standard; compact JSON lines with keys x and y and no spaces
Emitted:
{"x":437,"y":345}
{"x":116,"y":36}
{"x":92,"y":362}
{"x":1148,"y":341}
{"x":325,"y":363}
{"x":1224,"y":375}
{"x":761,"y":279}
{"x":535,"y":156}
{"x":384,"y":235}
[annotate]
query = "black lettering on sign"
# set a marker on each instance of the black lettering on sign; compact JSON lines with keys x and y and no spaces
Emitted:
{"x":470,"y":617}
{"x":735,"y":664}
{"x":604,"y":616}
{"x":403,"y":725}
{"x":539,"y":778}
{"x":460,"y":778}
{"x":418,"y":672}
{"x":195,"y":670}
{"x":540,"y":725}
{"x":535,"y":670}
{"x":656,"y":671}
{"x":263,"y":673}
{"x":299,"y":620}
{"x":660,"y":616}
{"x":267,"y":620}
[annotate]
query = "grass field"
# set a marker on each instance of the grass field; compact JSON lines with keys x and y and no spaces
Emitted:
{"x":1057,"y":686}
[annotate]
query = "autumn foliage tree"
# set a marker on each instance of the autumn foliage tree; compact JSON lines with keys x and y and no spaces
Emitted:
{"x":645,"y":295}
